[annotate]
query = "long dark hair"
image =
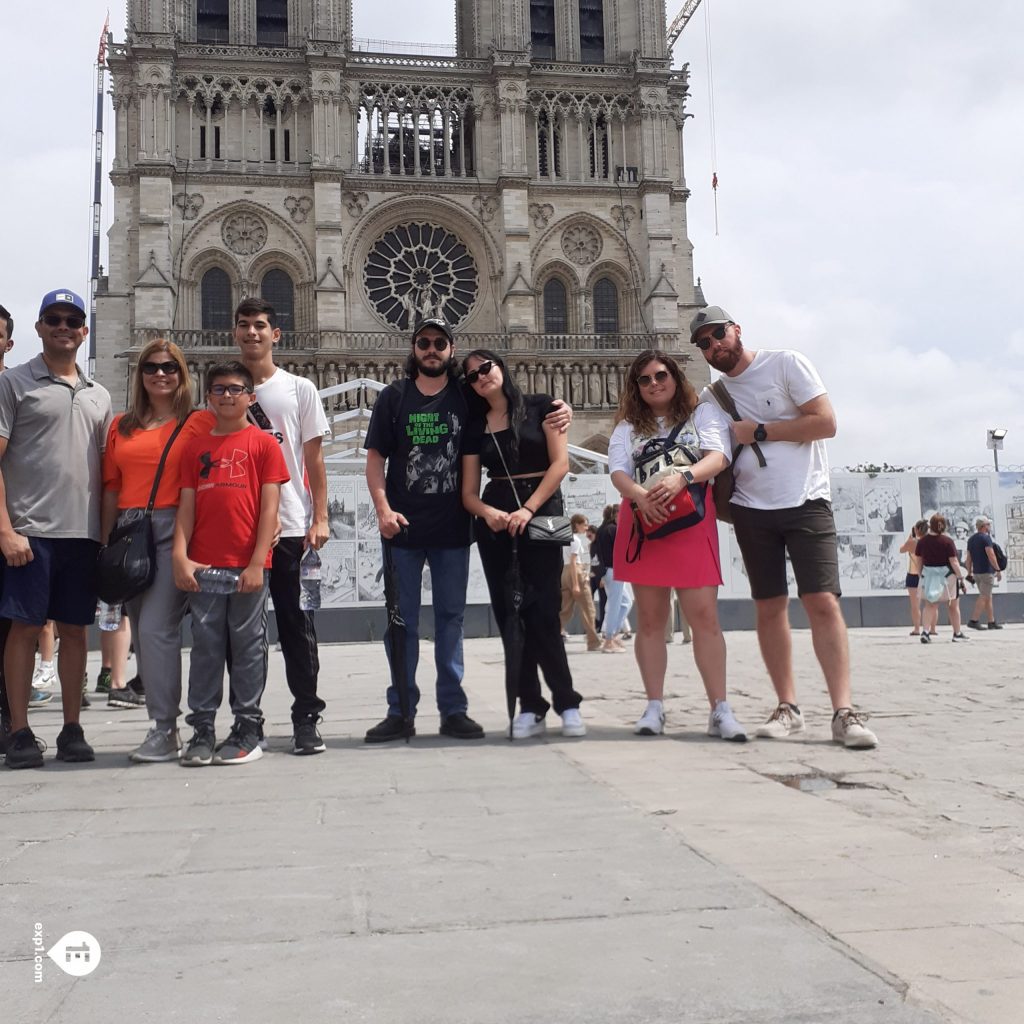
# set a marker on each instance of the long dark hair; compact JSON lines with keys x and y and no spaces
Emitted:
{"x":516,"y":404}
{"x":637,"y":413}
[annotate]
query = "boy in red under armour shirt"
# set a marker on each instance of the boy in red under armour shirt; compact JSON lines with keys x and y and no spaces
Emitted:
{"x":230,"y":488}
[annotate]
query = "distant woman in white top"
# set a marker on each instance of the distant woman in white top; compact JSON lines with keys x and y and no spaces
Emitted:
{"x":657,"y":399}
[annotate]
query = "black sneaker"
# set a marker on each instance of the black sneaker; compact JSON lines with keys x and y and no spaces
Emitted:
{"x":994,"y":625}
{"x":461,"y":727}
{"x":392,"y":728}
{"x":241,"y":746}
{"x":24,"y":750}
{"x":103,"y":680}
{"x":306,"y":738}
{"x":126,"y":697}
{"x":199,"y":751}
{"x":974,"y":624}
{"x":136,"y":685}
{"x":72,"y":746}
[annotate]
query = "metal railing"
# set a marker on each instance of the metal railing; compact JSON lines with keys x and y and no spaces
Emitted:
{"x":391,"y":342}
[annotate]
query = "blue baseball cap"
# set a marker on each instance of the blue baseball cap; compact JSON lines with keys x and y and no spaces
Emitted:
{"x":61,"y":297}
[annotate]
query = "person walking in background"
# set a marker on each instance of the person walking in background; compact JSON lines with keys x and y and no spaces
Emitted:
{"x":576,"y":591}
{"x":909,"y":548}
{"x":526,"y":459}
{"x":983,"y":571}
{"x":160,"y":401}
{"x":785,"y":507}
{"x":941,"y":578}
{"x":53,"y":428}
{"x":658,"y":404}
{"x":596,"y":576}
{"x":618,"y":594}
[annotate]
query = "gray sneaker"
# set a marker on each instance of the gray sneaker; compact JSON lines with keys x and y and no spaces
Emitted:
{"x":199,"y":751}
{"x":159,"y":745}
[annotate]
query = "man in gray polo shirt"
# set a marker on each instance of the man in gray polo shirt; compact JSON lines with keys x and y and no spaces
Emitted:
{"x":53,"y":428}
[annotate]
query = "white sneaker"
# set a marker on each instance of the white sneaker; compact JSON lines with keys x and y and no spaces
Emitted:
{"x":785,"y":720}
{"x":849,"y":729}
{"x":651,"y":722}
{"x":722,"y":722}
{"x":44,"y":678}
{"x":572,"y":723}
{"x":526,"y":725}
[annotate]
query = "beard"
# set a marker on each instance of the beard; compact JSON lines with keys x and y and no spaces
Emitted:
{"x":725,"y":360}
{"x":438,"y":369}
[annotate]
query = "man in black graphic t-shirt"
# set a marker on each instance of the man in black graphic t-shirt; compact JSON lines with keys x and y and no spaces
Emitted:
{"x":415,"y":434}
{"x":413,"y":470}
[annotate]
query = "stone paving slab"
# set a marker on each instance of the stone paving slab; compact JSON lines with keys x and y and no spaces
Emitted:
{"x":609,"y":879}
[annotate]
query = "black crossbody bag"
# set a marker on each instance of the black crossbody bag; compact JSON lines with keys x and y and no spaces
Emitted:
{"x":126,"y":566}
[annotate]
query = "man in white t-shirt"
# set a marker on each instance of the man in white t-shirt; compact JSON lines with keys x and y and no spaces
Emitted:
{"x":289,"y":409}
{"x":785,"y":507}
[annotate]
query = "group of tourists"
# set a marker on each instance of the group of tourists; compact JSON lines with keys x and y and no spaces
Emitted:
{"x":241,"y":486}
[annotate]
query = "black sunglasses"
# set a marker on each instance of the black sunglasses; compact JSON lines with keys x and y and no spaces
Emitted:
{"x":645,"y":380}
{"x":167,"y":369}
{"x":718,"y":333}
{"x":73,"y":320}
{"x":423,"y":344}
{"x":481,"y":371}
{"x":234,"y":390}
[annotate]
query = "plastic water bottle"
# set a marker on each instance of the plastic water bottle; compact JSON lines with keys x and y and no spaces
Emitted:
{"x":218,"y":581}
{"x":108,"y":616}
{"x":310,"y":570}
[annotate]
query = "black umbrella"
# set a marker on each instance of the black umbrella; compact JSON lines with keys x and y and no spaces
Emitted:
{"x":395,"y":638}
{"x":513,"y":636}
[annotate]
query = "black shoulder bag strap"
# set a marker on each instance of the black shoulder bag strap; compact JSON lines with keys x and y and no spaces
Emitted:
{"x":160,"y":467}
{"x":724,"y":399}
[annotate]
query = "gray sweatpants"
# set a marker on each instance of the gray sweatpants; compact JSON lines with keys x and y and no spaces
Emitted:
{"x":156,"y":616}
{"x":217,"y":620}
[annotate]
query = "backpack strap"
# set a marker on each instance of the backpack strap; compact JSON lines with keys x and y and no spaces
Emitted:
{"x":724,"y":399}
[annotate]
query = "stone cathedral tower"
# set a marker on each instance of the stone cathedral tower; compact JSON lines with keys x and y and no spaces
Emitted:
{"x":528,"y":186}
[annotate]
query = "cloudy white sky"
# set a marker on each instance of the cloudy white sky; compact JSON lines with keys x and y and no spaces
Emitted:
{"x":870,"y":159}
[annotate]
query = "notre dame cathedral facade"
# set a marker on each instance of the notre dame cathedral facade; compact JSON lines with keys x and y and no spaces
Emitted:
{"x":528,"y":186}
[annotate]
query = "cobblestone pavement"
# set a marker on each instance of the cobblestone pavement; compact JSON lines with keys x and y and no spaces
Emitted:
{"x":614,"y":878}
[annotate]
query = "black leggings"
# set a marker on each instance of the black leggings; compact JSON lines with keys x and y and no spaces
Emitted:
{"x":540,"y":566}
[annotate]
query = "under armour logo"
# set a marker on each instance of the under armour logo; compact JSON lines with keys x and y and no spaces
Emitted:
{"x":235,"y":464}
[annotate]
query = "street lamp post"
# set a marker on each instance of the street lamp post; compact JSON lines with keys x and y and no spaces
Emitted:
{"x":995,"y":442}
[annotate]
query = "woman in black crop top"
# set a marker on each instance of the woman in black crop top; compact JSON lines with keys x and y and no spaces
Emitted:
{"x":536,"y":459}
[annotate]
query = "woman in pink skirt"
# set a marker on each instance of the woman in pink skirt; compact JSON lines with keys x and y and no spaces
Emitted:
{"x":656,"y":399}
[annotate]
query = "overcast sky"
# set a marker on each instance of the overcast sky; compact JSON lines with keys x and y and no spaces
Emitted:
{"x":869,"y":156}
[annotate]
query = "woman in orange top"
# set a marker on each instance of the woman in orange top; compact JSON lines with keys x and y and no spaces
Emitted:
{"x":161,"y":398}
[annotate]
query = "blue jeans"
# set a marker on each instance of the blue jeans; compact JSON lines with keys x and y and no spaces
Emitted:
{"x":620,"y":600}
{"x":449,"y":574}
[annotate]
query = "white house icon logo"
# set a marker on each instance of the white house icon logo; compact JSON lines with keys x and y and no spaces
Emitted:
{"x":77,"y":954}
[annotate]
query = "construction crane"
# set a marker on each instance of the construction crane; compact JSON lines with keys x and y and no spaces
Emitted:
{"x":675,"y":30}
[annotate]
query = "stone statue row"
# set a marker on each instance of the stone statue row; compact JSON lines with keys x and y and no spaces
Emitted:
{"x":583,"y":385}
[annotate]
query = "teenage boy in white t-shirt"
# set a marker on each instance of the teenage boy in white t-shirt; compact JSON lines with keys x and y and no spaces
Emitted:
{"x":289,"y":409}
{"x":785,"y":506}
{"x":576,"y":582}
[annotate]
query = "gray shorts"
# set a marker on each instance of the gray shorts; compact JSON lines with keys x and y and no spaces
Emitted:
{"x":985,"y":581}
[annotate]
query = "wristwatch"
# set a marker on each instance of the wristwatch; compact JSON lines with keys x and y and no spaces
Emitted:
{"x":688,"y":477}
{"x":760,"y":434}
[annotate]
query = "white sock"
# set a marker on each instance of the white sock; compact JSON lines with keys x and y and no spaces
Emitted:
{"x":46,"y":667}
{"x":656,"y":705}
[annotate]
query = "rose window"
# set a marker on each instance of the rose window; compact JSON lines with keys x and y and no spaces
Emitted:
{"x":420,"y":270}
{"x":244,"y":233}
